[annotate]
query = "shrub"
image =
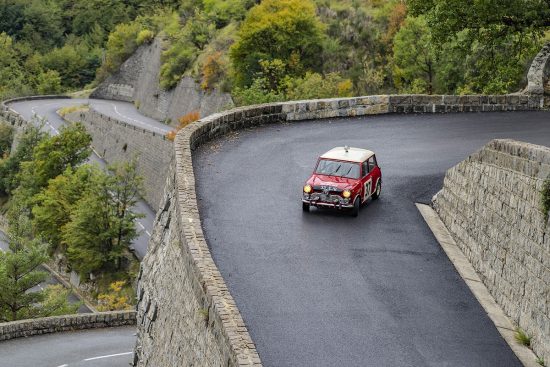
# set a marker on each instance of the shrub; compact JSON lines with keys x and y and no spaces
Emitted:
{"x":145,"y":36}
{"x":175,"y":61}
{"x":212,"y":71}
{"x":120,"y":45}
{"x":115,"y":300}
{"x":183,"y":122}
{"x":313,"y":86}
{"x":6,"y":138}
{"x":255,"y":94}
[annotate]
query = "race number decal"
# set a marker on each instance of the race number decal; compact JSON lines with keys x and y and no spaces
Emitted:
{"x":367,"y":192}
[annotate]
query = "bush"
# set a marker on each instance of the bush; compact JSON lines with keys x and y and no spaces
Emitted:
{"x":120,"y":45}
{"x":183,"y":122}
{"x":256,"y":94}
{"x":313,"y":86}
{"x":175,"y":61}
{"x":212,"y":71}
{"x":145,"y":36}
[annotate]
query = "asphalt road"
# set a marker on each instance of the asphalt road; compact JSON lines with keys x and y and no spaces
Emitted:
{"x":112,"y":347}
{"x":122,"y":111}
{"x":326,"y":289}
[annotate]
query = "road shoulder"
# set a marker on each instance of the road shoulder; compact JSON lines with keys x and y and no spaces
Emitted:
{"x":503,"y":324}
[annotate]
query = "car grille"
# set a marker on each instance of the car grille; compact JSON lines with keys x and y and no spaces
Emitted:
{"x":327,"y":189}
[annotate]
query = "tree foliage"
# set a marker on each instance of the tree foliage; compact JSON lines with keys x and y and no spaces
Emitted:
{"x":285,"y":30}
{"x":19,"y":273}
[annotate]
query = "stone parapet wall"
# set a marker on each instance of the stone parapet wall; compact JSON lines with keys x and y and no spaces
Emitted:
{"x":56,"y":324}
{"x":491,"y":204}
{"x":117,"y":141}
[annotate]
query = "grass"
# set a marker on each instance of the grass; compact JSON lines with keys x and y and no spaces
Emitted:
{"x":70,"y":109}
{"x":522,"y":338}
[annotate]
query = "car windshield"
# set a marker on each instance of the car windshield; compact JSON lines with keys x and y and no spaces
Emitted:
{"x":338,"y":168}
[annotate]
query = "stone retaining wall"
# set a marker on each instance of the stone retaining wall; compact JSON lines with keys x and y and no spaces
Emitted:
{"x":55,"y":324}
{"x":491,"y":203}
{"x":117,"y":141}
{"x":181,"y":293}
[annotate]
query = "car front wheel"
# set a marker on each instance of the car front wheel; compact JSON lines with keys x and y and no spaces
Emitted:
{"x":305,"y":207}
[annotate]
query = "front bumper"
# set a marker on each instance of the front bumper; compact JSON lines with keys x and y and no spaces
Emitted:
{"x":327,"y":201}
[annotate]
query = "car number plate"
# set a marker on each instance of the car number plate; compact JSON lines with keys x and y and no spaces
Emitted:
{"x":324,"y":197}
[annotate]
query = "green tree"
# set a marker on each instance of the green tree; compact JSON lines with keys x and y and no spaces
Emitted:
{"x":287,"y":30}
{"x":53,"y":206}
{"x":6,"y":138}
{"x":52,"y":156}
{"x":121,"y":44}
{"x":484,"y":18}
{"x":19,"y":273}
{"x":496,"y":39}
{"x":11,"y":166}
{"x":414,"y":57}
{"x":102,"y":222}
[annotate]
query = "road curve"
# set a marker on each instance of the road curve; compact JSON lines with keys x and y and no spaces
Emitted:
{"x":111,"y":347}
{"x":325,"y":289}
{"x":123,"y":111}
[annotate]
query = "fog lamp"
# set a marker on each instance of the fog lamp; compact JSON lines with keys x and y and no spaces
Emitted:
{"x":346,"y":194}
{"x":307,"y":189}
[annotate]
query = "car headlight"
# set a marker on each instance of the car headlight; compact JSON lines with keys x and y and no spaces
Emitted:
{"x":307,"y":189}
{"x":346,"y":194}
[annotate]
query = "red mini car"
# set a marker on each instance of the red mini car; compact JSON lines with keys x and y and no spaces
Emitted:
{"x":344,"y":178}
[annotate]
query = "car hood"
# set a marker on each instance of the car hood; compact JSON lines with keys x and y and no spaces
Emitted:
{"x":340,"y":182}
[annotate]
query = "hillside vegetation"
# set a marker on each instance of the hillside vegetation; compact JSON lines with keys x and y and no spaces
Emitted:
{"x":274,"y":50}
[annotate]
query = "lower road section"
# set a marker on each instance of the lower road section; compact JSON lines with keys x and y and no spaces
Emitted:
{"x":111,"y":347}
{"x":326,"y":289}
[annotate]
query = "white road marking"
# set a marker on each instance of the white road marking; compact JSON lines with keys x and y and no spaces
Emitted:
{"x":141,"y":225}
{"x":108,"y":356}
{"x":148,"y":234}
{"x":139,"y":122}
{"x":63,"y":365}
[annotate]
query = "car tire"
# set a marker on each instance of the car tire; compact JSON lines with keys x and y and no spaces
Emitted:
{"x":356,"y":206}
{"x":305,"y":207}
{"x":376,"y":194}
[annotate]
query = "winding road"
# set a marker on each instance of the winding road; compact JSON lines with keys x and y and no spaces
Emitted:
{"x":326,"y":289}
{"x":112,"y":347}
{"x":322,"y":288}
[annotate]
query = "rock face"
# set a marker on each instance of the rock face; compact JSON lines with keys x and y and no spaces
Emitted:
{"x":137,"y":80}
{"x":491,"y":203}
{"x":539,"y":72}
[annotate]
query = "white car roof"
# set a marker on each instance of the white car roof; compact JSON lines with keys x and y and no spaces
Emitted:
{"x":348,"y":154}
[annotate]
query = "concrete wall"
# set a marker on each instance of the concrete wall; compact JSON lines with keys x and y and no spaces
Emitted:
{"x":491,"y":203}
{"x":181,"y":294}
{"x":55,"y":324}
{"x":117,"y":141}
{"x":137,"y":80}
{"x":539,"y":72}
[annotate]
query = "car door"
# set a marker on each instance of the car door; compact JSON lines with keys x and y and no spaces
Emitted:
{"x":374,"y":171}
{"x":366,"y":180}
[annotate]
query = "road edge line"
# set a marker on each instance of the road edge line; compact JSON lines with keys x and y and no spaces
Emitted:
{"x":504,"y":325}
